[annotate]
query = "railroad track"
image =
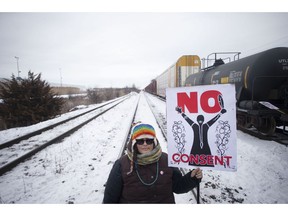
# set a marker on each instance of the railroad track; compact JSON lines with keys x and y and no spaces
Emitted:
{"x":279,"y":136}
{"x":54,"y":133}
{"x":128,"y":132}
{"x":9,"y":143}
{"x":161,"y":121}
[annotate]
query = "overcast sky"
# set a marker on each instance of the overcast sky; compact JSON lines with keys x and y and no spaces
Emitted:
{"x":112,"y":49}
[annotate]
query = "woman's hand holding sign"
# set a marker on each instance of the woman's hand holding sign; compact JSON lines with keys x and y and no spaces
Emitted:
{"x":197,"y":173}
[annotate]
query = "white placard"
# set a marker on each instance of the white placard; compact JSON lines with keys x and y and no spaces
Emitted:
{"x":201,"y":127}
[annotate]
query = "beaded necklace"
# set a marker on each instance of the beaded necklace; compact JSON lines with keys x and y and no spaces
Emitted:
{"x":147,"y":184}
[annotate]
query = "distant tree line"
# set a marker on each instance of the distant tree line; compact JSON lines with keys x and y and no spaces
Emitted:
{"x":98,"y":95}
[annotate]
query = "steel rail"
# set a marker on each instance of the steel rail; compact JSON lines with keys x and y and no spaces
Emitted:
{"x":278,"y":135}
{"x":27,"y":155}
{"x":41,"y":130}
{"x":128,"y":132}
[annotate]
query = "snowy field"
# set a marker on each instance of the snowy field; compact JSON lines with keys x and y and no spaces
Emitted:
{"x":75,"y":170}
{"x":261,"y":176}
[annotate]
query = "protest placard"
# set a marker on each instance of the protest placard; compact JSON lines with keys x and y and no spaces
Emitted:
{"x":201,"y":127}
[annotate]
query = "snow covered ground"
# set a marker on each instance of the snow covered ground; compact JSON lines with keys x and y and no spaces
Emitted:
{"x":75,"y":170}
{"x":261,"y":176}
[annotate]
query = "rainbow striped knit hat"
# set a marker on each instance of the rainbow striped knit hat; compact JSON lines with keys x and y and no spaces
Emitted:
{"x":141,"y":130}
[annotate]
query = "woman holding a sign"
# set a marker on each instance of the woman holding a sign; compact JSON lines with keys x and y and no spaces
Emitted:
{"x":143,"y":175}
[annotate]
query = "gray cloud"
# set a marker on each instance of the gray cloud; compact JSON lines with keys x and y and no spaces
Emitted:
{"x":118,"y":49}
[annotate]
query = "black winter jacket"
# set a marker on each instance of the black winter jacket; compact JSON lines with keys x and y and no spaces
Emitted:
{"x":123,"y":188}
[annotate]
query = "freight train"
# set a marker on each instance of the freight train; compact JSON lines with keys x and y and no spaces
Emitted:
{"x":261,"y":82}
{"x":175,"y":75}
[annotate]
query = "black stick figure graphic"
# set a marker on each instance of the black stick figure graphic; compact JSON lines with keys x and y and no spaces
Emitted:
{"x":200,"y":129}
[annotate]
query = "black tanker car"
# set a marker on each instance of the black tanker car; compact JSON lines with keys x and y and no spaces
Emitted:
{"x":261,"y":83}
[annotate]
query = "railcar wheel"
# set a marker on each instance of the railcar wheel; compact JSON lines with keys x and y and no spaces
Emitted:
{"x":267,"y":126}
{"x":243,"y":121}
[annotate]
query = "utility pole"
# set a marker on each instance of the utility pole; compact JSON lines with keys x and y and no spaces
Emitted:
{"x":18,"y":71}
{"x":60,"y":77}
